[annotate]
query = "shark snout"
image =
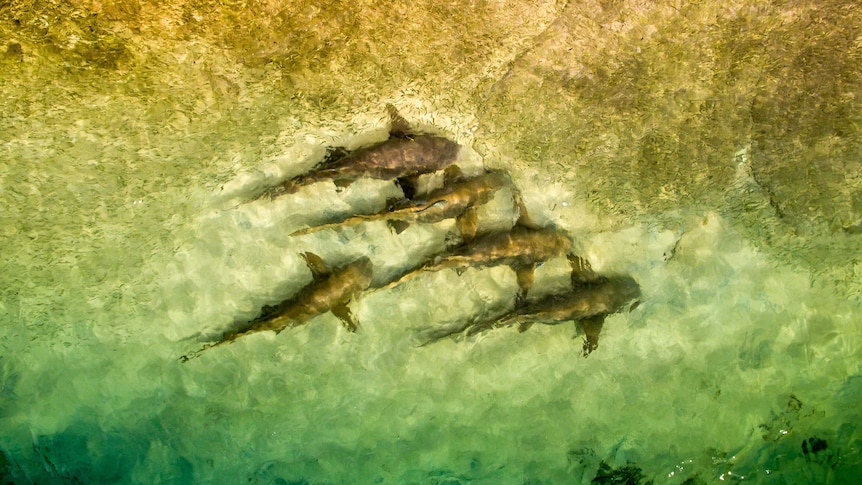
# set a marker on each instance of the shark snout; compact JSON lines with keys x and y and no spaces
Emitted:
{"x":627,"y":290}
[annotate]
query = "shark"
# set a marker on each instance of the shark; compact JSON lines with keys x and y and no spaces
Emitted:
{"x":458,"y":197}
{"x":522,"y":248}
{"x":329,"y":291}
{"x":591,"y":298}
{"x":404,"y":156}
{"x":588,"y":304}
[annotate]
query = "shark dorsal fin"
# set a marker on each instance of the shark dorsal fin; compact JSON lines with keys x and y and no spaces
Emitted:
{"x":315,"y":265}
{"x":399,"y":128}
{"x":524,"y":219}
{"x":342,"y":311}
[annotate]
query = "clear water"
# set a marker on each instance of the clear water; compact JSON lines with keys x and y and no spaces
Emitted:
{"x":122,"y":244}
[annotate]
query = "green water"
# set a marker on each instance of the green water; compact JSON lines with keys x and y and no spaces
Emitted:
{"x":123,"y":246}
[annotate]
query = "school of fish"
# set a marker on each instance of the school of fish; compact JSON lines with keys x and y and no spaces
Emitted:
{"x":404,"y":157}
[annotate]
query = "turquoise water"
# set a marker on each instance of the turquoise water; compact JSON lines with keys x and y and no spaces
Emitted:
{"x":123,"y":243}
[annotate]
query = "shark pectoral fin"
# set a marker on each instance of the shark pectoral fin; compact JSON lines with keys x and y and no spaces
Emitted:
{"x":341,"y":183}
{"x":398,"y":226}
{"x":582,"y":272}
{"x":452,"y":174}
{"x":196,"y":353}
{"x":399,"y":128}
{"x":526,"y":274}
{"x":408,"y":185}
{"x":468,"y":224}
{"x":524,"y":326}
{"x":592,"y":328}
{"x":315,"y":265}
{"x":342,"y":311}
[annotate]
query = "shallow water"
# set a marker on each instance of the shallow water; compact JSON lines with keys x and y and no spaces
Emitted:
{"x":124,"y":246}
{"x":729,"y":363}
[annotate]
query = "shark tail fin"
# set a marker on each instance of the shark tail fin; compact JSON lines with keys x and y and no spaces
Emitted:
{"x":196,"y":353}
{"x":478,"y":326}
{"x":350,"y":221}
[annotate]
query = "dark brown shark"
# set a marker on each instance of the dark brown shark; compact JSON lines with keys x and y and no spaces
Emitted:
{"x":458,"y":197}
{"x":521,"y":248}
{"x":588,"y":303}
{"x":330,"y":291}
{"x":403,"y":156}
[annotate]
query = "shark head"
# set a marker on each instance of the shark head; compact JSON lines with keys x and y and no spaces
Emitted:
{"x":359,"y":273}
{"x":621,"y":290}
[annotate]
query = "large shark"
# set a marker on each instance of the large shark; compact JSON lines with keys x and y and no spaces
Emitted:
{"x":459,"y":197}
{"x":587,"y":304}
{"x":591,"y":298}
{"x":521,"y":248}
{"x":404,"y":156}
{"x":329,"y":291}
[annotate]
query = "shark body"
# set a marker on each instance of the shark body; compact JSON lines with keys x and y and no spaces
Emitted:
{"x":457,"y":198}
{"x":404,"y":156}
{"x":521,"y":248}
{"x":588,"y":302}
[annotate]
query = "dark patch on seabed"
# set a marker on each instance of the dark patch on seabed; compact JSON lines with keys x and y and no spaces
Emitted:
{"x":5,"y":469}
{"x":628,"y":475}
